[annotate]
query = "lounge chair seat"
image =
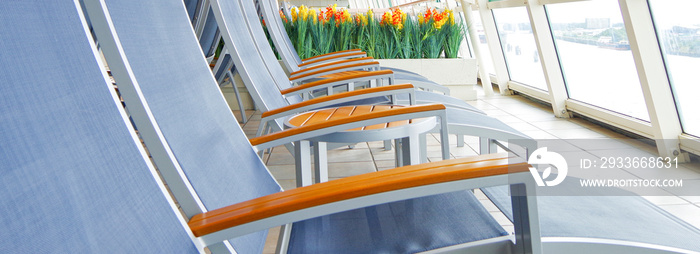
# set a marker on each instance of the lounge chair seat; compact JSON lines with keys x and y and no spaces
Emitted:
{"x":389,"y":228}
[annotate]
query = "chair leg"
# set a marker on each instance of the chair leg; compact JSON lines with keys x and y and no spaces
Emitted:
{"x":525,"y":219}
{"x":302,"y":162}
{"x":398,"y":153}
{"x":320,"y":162}
{"x":244,"y":119}
{"x":283,"y":240}
{"x":387,"y":145}
{"x":411,"y":150}
{"x":423,"y":148}
{"x":460,"y":140}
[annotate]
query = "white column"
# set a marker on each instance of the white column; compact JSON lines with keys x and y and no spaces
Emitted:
{"x":499,"y":61}
{"x":474,"y":37}
{"x":549,"y":59}
{"x":648,"y":58}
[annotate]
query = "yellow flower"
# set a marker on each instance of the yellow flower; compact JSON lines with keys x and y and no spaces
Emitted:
{"x":450,"y":17}
{"x":420,"y":18}
{"x":295,"y":14}
{"x":439,"y":19}
{"x":370,"y":13}
{"x":312,"y":15}
{"x":346,"y":15}
{"x":303,"y":12}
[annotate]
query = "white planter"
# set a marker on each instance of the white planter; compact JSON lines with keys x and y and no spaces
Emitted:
{"x":459,"y":74}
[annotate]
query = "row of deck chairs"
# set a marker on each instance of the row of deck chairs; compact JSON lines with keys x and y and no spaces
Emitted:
{"x":76,"y":178}
{"x":273,"y":93}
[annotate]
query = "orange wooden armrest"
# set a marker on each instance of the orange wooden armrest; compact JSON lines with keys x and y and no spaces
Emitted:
{"x":350,"y":119}
{"x":334,"y":69}
{"x":350,"y":54}
{"x":335,"y":97}
{"x":328,"y":54}
{"x":332,"y":63}
{"x":353,"y":187}
{"x":331,"y":80}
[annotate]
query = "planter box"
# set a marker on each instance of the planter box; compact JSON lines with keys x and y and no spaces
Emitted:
{"x":459,"y":74}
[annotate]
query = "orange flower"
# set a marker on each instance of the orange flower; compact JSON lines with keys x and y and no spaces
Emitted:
{"x":396,"y":19}
{"x":284,"y":17}
{"x":440,"y":19}
{"x":428,"y":14}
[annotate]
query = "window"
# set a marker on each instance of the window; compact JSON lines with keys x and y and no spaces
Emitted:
{"x":595,"y":56}
{"x":519,"y":48}
{"x":483,"y":45}
{"x":678,"y":28}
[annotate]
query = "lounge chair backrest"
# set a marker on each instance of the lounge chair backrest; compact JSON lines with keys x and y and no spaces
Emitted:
{"x":192,"y":9}
{"x":72,"y":176}
{"x":247,"y":59}
{"x":279,"y":36}
{"x":263,"y":46}
{"x":225,"y":64}
{"x":176,"y":83}
{"x":209,"y":39}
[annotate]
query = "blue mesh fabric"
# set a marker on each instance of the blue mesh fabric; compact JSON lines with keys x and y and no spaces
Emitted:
{"x":180,"y":90}
{"x":72,"y":179}
{"x":209,"y":34}
{"x":400,"y":227}
{"x":625,"y":217}
{"x":191,"y":6}
{"x":225,"y":60}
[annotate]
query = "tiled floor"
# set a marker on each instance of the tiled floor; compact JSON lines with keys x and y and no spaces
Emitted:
{"x":529,"y":117}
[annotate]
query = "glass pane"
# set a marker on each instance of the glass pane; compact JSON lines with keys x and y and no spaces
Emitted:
{"x":595,"y":56}
{"x":678,"y":26}
{"x":519,"y":47}
{"x":483,"y":46}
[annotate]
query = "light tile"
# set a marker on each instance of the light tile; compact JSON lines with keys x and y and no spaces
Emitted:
{"x":688,"y":213}
{"x":349,"y":155}
{"x":666,"y":200}
{"x":345,"y":169}
{"x":556,"y":125}
{"x":271,"y":241}
{"x":283,"y":172}
{"x":539,"y":134}
{"x":575,"y":133}
{"x":500,"y":218}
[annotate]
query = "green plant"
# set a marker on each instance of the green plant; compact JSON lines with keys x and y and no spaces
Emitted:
{"x":395,"y":35}
{"x":454,"y":34}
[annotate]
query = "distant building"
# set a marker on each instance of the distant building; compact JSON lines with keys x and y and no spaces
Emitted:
{"x":597,"y":23}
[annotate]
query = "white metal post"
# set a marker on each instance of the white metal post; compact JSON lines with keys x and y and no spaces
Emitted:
{"x":666,"y":125}
{"x":549,"y":60}
{"x":499,"y":61}
{"x":474,"y":37}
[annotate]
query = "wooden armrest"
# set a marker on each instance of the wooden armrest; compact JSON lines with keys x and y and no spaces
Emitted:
{"x":351,"y":119}
{"x":335,"y":97}
{"x":353,"y":187}
{"x":349,"y":54}
{"x":367,"y":58}
{"x":331,"y":64}
{"x":330,"y":54}
{"x":356,"y":65}
{"x":331,"y":80}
